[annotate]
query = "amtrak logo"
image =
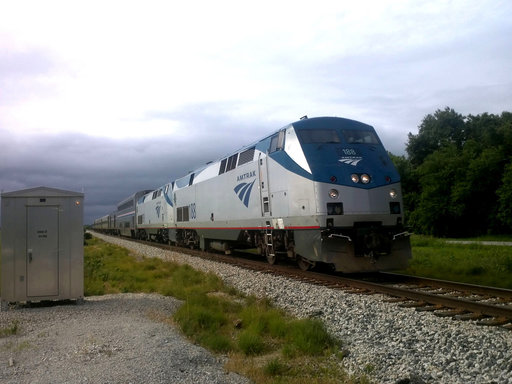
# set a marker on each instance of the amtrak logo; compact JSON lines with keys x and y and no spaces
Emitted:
{"x":246,"y":175}
{"x":350,"y":160}
{"x":243,"y":190}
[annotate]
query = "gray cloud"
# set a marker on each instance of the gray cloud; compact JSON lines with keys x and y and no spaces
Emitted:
{"x":109,"y":170}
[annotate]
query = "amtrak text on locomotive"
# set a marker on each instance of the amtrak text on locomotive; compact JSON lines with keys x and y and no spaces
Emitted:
{"x":246,"y":175}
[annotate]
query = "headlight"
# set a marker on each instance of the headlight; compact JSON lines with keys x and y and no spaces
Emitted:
{"x":393,"y":194}
{"x":355,"y":178}
{"x":365,"y":179}
{"x":333,"y":193}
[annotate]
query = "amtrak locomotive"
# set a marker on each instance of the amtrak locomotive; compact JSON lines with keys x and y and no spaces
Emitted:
{"x":318,"y":190}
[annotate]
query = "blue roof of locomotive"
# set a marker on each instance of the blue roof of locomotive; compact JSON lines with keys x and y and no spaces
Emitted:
{"x":325,"y":159}
{"x":336,"y":162}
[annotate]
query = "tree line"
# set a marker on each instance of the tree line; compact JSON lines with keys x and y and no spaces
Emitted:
{"x":457,"y":175}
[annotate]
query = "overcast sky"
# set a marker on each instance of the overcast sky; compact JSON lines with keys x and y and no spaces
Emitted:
{"x":110,"y":97}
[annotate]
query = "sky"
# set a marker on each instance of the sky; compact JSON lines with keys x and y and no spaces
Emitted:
{"x":112,"y":97}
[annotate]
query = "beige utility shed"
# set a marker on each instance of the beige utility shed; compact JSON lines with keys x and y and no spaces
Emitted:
{"x":42,"y":245}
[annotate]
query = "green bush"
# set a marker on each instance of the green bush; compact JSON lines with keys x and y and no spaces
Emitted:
{"x":263,"y":319}
{"x":251,"y":343}
{"x":196,"y":319}
{"x":218,"y":343}
{"x":307,"y":337}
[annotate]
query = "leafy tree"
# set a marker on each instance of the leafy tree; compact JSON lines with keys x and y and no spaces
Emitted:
{"x":435,"y":131}
{"x":474,"y":194}
{"x":409,"y":181}
{"x":505,"y":199}
{"x":434,"y":214}
{"x":457,"y":179}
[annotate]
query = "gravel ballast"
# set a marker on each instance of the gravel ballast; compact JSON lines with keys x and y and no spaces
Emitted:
{"x":387,"y":343}
{"x":109,"y":339}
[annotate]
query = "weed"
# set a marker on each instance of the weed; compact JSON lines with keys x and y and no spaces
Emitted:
{"x":10,"y":330}
{"x":22,"y":346}
{"x":259,"y":316}
{"x":198,"y":318}
{"x":15,"y":346}
{"x":308,"y":337}
{"x":218,"y":343}
{"x":274,"y":368}
{"x":369,"y":368}
{"x":250,"y":343}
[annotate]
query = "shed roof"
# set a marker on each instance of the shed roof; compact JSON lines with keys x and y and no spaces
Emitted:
{"x":42,"y":192}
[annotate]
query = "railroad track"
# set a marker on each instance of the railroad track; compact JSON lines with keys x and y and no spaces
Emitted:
{"x":486,"y":305}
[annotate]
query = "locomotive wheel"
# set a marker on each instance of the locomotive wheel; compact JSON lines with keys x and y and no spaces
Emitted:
{"x":305,"y":264}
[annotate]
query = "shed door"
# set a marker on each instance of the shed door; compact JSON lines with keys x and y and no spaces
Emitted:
{"x":42,"y":251}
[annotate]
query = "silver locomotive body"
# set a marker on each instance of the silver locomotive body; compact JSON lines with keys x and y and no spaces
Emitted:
{"x":318,"y":190}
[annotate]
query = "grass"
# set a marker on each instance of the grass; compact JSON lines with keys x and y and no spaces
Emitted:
{"x":112,"y":269}
{"x":489,"y":238}
{"x":470,"y":263}
{"x":10,"y":330}
{"x":261,"y":341}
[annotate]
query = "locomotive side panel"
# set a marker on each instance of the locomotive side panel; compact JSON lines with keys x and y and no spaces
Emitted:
{"x":292,"y":197}
{"x":220,"y":206}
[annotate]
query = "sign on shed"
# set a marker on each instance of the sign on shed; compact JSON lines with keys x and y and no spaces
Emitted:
{"x":42,"y":245}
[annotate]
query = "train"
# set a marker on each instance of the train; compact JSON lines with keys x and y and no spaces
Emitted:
{"x":320,"y":190}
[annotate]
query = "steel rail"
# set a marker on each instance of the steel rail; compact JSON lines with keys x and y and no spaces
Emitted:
{"x":445,"y":301}
{"x":465,"y":287}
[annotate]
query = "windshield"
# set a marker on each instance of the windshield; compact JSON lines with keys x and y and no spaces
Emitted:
{"x":309,"y":136}
{"x":360,"y":137}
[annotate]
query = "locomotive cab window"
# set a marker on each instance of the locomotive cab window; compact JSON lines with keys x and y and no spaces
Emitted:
{"x":319,"y":136}
{"x":360,"y":137}
{"x":246,"y":156}
{"x":232,"y":162}
{"x":277,"y":142}
{"x":222,"y":168}
{"x":228,"y":164}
